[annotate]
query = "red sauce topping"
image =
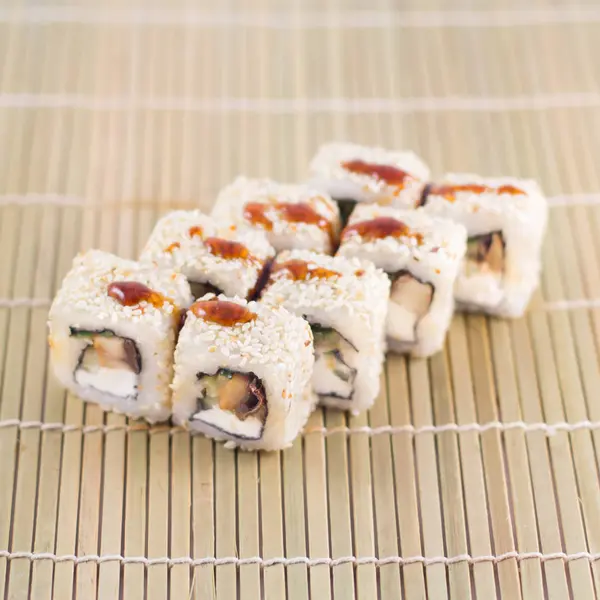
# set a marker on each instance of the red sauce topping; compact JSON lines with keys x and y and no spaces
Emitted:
{"x":226,"y":248}
{"x":130,"y":293}
{"x":391,"y":175}
{"x":300,"y":270}
{"x":381,"y":227}
{"x":222,"y":312}
{"x":449,"y":191}
{"x":172,"y":246}
{"x":298,"y":212}
{"x":196,"y":230}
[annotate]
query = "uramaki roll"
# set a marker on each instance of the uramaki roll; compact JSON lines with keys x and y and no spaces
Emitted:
{"x":291,"y":215}
{"x":345,"y":302}
{"x":505,"y":220}
{"x":215,"y":256}
{"x":422,"y":255}
{"x":242,"y":373}
{"x":352,"y":174}
{"x":113,"y":326}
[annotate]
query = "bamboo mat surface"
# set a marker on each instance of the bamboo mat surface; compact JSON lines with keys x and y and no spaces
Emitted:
{"x":475,"y":475}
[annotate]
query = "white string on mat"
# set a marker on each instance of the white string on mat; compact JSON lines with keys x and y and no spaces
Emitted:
{"x":572,"y":304}
{"x":305,"y":560}
{"x":302,"y":105}
{"x":307,"y":19}
{"x":574,"y":199}
{"x":24,"y":302}
{"x":548,"y":429}
{"x":32,"y":199}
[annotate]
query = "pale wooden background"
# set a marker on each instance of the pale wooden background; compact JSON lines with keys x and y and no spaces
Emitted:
{"x":113,"y":112}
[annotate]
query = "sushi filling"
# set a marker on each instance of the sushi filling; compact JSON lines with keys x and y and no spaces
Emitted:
{"x":232,"y":403}
{"x":346,"y":206}
{"x":109,"y":363}
{"x":333,"y":374}
{"x":199,"y":289}
{"x":410,"y":300}
{"x":485,"y":255}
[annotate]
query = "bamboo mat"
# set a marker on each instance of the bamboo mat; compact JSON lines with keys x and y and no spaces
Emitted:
{"x":476,"y":474}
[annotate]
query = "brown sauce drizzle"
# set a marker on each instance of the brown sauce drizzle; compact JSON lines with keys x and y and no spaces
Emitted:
{"x":172,"y":246}
{"x":381,"y":227}
{"x":226,"y":249}
{"x":449,"y":191}
{"x":300,"y":270}
{"x":294,"y":212}
{"x":130,"y":293}
{"x":261,"y":281}
{"x":195,"y":230}
{"x":510,"y":189}
{"x":222,"y":312}
{"x":254,"y":212}
{"x":387,"y":173}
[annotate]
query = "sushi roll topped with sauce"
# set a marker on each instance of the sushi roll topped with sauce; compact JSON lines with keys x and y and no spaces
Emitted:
{"x":292,"y":216}
{"x":242,"y":373}
{"x":113,"y":325}
{"x":351,"y":173}
{"x":505,"y":219}
{"x":214,"y":256}
{"x":421,"y":255}
{"x":345,"y":302}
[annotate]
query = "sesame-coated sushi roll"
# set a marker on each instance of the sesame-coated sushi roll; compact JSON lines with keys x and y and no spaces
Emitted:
{"x":351,"y":173}
{"x":113,"y":326}
{"x":214,"y":256}
{"x":242,"y":373}
{"x":505,"y":220}
{"x":345,"y":302}
{"x":292,"y":216}
{"x":422,"y":256}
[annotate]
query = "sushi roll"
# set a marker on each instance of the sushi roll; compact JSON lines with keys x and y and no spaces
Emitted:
{"x":351,"y":173}
{"x":113,"y":325}
{"x":505,"y":220}
{"x":345,"y":302}
{"x":422,"y":256}
{"x":242,"y":373}
{"x":292,"y":216}
{"x":215,"y":257}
